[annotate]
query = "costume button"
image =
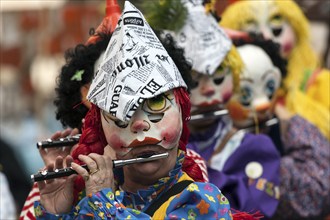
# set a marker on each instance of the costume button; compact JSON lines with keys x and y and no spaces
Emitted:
{"x":253,"y":170}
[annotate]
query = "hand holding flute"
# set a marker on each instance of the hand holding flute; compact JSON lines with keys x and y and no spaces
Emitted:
{"x":47,"y":175}
{"x":56,"y":195}
{"x":97,"y":173}
{"x":49,"y":154}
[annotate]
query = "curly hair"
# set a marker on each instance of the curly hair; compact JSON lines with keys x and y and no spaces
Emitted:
{"x":94,"y":141}
{"x":68,"y":101}
{"x":177,"y":55}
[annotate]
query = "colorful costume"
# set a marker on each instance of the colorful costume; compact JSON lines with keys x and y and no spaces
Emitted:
{"x":229,"y":169}
{"x":208,"y":202}
{"x":150,"y":103}
{"x":306,"y":85}
{"x":215,"y":73}
{"x":304,"y":173}
{"x":304,"y":166}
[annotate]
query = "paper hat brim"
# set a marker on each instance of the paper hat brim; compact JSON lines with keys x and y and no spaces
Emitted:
{"x":136,"y":67}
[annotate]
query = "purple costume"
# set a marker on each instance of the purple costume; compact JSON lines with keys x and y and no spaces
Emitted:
{"x":246,"y":191}
{"x":305,"y":173}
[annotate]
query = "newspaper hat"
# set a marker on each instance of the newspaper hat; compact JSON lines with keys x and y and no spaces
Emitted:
{"x":135,"y":67}
{"x":204,"y":42}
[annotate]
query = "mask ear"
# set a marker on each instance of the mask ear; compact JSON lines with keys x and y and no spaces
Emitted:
{"x":83,"y":92}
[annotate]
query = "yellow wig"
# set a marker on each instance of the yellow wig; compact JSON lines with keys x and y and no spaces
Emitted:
{"x":235,"y":64}
{"x":302,"y":57}
{"x":307,"y":92}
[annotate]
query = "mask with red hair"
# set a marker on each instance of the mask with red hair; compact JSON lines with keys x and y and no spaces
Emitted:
{"x":135,"y":69}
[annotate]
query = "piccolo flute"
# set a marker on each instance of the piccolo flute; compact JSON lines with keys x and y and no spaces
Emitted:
{"x":47,"y":175}
{"x":268,"y":123}
{"x":209,"y":115}
{"x":67,"y":141}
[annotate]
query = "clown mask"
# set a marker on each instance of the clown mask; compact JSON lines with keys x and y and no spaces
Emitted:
{"x":210,"y":92}
{"x":154,"y":128}
{"x":265,"y":18}
{"x":258,"y":83}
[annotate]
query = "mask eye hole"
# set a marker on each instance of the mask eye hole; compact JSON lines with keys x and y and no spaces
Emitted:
{"x":270,"y":88}
{"x":219,"y":80}
{"x":195,"y":79}
{"x":250,"y":26}
{"x":121,"y":124}
{"x":156,"y":104}
{"x":109,"y":119}
{"x":246,"y":96}
{"x":220,"y":75}
{"x":277,"y":31}
{"x":155,"y":107}
{"x":276,"y":23}
{"x":154,"y":118}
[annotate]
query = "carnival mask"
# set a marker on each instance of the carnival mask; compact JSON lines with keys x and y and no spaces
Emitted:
{"x":258,"y":83}
{"x":157,"y":122}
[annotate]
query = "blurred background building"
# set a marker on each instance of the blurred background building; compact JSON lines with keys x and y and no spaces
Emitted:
{"x":34,"y":36}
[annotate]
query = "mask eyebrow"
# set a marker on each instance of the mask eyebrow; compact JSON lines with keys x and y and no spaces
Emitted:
{"x":273,"y":11}
{"x":268,"y":72}
{"x":247,"y":79}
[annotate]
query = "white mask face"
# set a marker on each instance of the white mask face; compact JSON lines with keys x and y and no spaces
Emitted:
{"x":258,"y":83}
{"x":211,"y":92}
{"x":266,"y":20}
{"x":156,"y":124}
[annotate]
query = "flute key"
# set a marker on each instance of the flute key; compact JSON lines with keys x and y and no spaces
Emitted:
{"x":68,"y":141}
{"x":57,"y":173}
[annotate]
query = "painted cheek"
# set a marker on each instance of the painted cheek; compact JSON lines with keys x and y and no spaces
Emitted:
{"x":286,"y":49}
{"x":171,"y":129}
{"x":115,"y":141}
{"x":170,"y":135}
{"x":226,"y":96}
{"x":287,"y":41}
{"x":227,"y":91}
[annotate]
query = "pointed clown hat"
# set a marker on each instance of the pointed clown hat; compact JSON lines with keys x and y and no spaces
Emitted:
{"x":204,"y":42}
{"x":109,"y":22}
{"x":135,"y":67}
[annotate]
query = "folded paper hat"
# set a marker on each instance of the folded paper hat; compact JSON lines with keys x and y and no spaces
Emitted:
{"x":135,"y":67}
{"x":204,"y":42}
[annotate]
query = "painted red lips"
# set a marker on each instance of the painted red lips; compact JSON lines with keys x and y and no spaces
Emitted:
{"x":146,"y":141}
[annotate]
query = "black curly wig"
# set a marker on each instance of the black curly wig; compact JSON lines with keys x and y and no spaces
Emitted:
{"x":69,"y":109}
{"x":177,"y":55}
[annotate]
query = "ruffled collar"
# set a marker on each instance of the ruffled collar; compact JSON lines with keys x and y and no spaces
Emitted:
{"x":142,"y":198}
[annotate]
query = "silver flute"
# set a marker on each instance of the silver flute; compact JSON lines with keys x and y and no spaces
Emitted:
{"x":57,"y":173}
{"x":72,"y":140}
{"x":67,"y":141}
{"x":209,"y":115}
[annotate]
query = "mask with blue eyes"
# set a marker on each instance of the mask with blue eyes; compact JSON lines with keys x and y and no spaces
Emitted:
{"x":259,"y":82}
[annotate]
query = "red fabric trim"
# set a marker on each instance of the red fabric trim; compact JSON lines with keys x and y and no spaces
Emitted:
{"x":33,"y":195}
{"x":237,"y":215}
{"x":27,"y":207}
